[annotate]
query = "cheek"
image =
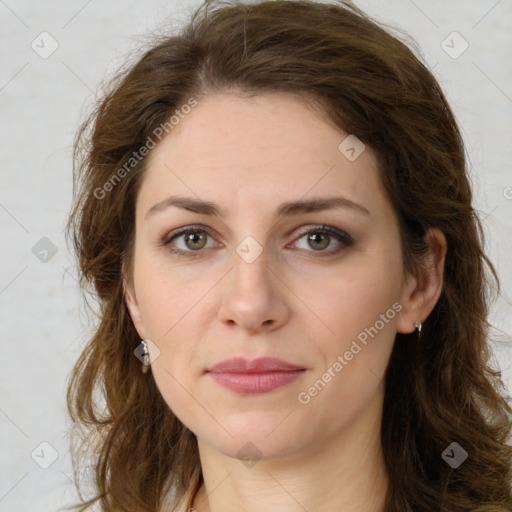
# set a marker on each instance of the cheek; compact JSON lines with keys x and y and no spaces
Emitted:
{"x":169,"y":295}
{"x":359,"y":314}
{"x":176,"y":307}
{"x":345,"y":299}
{"x":173,"y":321}
{"x":351,"y":317}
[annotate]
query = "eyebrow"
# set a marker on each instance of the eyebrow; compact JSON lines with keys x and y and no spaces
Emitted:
{"x":285,"y":209}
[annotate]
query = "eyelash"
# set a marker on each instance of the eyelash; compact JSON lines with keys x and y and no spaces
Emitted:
{"x":343,"y":237}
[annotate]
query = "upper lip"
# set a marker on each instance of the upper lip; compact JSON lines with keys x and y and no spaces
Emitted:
{"x":262,"y":364}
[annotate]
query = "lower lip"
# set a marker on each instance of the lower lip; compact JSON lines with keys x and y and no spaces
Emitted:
{"x":254,"y":383}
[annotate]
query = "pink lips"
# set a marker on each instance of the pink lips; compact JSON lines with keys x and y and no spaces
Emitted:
{"x":254,"y":376}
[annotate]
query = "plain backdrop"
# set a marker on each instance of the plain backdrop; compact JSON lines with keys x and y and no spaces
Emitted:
{"x":44,"y":96}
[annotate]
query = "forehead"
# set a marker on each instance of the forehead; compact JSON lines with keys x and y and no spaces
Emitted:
{"x":255,"y":151}
{"x":273,"y":122}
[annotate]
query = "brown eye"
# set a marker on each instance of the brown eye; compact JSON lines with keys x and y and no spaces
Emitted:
{"x":188,"y":241}
{"x":318,"y":241}
{"x":195,"y":240}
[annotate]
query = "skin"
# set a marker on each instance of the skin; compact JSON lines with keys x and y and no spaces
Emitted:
{"x":249,"y":155}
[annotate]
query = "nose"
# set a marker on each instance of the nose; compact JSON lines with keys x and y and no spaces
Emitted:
{"x":253,"y":296}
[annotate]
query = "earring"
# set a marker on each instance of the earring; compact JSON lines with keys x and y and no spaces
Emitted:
{"x":145,"y":356}
{"x":418,"y":326}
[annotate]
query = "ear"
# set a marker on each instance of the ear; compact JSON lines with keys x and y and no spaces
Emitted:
{"x":132,"y":304}
{"x":422,"y":291}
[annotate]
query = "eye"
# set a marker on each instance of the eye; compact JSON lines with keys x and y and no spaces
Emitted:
{"x":190,"y":240}
{"x":321,"y":237}
{"x":187,"y":241}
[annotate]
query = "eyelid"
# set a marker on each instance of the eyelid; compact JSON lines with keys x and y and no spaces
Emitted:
{"x":323,"y":227}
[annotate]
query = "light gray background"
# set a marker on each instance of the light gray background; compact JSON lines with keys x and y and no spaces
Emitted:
{"x":42,"y":102}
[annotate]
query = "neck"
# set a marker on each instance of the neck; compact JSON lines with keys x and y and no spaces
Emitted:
{"x":346,"y":472}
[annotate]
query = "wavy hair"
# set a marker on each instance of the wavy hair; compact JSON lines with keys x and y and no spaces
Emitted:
{"x":438,"y":389}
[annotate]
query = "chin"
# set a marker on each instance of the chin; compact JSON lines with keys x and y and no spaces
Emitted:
{"x":256,"y":435}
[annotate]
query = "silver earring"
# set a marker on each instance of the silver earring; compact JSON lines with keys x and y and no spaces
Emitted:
{"x":145,"y":356}
{"x":418,"y":326}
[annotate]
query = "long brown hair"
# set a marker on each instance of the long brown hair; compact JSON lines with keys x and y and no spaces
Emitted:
{"x":440,"y":389}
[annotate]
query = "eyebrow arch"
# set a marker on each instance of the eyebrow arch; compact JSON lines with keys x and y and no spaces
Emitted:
{"x":285,"y":209}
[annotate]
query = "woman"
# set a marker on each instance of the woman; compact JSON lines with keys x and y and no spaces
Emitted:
{"x":274,"y":213}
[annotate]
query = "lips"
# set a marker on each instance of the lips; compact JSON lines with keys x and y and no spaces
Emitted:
{"x":254,"y":376}
{"x":261,"y":365}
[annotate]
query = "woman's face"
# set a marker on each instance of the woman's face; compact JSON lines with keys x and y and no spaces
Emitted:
{"x":301,"y":261}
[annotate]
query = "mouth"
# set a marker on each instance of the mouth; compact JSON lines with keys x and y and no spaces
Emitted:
{"x":255,"y":376}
